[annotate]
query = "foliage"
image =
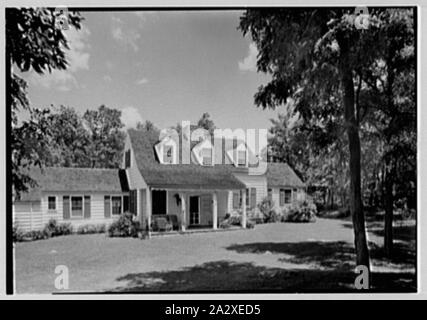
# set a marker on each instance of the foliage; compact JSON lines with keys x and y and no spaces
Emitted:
{"x":17,"y":234}
{"x":91,"y":228}
{"x":106,"y":137}
{"x":301,"y":212}
{"x":206,"y":123}
{"x":266,"y":207}
{"x":53,"y":228}
{"x":235,"y":220}
{"x":34,"y":43}
{"x":125,"y":226}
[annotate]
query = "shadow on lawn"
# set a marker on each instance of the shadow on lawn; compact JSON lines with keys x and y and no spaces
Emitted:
{"x":334,"y":273}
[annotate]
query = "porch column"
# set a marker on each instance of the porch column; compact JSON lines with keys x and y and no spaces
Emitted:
{"x":183,"y":211}
{"x":148,"y":210}
{"x":215,"y":210}
{"x":244,"y":208}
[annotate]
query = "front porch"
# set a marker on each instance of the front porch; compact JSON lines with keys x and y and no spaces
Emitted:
{"x":183,"y":210}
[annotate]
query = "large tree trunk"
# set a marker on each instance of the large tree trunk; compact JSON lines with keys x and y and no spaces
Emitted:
{"x":388,"y":217}
{"x":352,"y":126}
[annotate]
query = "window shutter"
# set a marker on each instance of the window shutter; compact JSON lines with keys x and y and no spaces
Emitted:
{"x":236,"y":200}
{"x":282,"y":197}
{"x":66,"y":207}
{"x":253,"y":197}
{"x":107,"y":210}
{"x":87,"y":207}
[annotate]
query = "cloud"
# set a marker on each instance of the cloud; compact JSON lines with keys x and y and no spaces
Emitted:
{"x":142,"y":81}
{"x":249,"y":63}
{"x":131,"y":117}
{"x":77,"y":57}
{"x":107,"y":78}
{"x":125,"y":35}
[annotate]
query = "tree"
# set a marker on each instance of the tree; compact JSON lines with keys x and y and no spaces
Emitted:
{"x":309,"y":54}
{"x":106,"y":137}
{"x":69,"y":140}
{"x":318,"y":58}
{"x":34,"y":42}
{"x":206,"y":123}
{"x":147,"y":126}
{"x":390,"y":83}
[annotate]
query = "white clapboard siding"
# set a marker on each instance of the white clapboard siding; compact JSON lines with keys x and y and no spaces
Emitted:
{"x":34,"y":215}
{"x":27,"y":215}
{"x":259,"y":182}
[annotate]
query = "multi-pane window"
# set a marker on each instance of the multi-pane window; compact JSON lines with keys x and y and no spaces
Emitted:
{"x":167,"y":154}
{"x":285,"y":196}
{"x":207,"y":156}
{"x":241,"y":158}
{"x":76,"y":206}
{"x":51,"y":203}
{"x":116,"y":205}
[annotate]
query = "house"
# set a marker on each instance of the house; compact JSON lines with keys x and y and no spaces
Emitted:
{"x":159,"y":178}
{"x":76,"y":195}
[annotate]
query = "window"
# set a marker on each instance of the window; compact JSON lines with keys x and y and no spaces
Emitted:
{"x":285,"y":196}
{"x":51,"y":203}
{"x":241,"y":158}
{"x":270,"y":194}
{"x":207,"y":156}
{"x":116,"y":204}
{"x":76,"y":206}
{"x":158,"y":201}
{"x":127,"y":159}
{"x":247,"y":197}
{"x":167,"y":154}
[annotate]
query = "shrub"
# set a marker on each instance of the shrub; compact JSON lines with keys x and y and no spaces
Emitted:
{"x":37,"y":235}
{"x":266,"y":207}
{"x":235,"y":221}
{"x":301,"y":212}
{"x":91,"y":228}
{"x":125,"y":226}
{"x":53,"y":228}
{"x":17,"y":234}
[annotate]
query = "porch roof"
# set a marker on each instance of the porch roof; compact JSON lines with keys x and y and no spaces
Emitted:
{"x":182,"y":176}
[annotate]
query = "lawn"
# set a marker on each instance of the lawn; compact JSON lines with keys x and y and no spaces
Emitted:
{"x":277,"y":257}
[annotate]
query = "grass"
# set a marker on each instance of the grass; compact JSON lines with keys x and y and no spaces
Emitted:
{"x":278,"y":257}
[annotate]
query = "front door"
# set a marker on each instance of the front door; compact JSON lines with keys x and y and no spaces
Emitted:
{"x":194,"y":210}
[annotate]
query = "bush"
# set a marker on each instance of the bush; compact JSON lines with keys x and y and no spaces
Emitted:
{"x":91,"y":228}
{"x":37,"y":235}
{"x":17,"y":234}
{"x":235,"y":221}
{"x":53,"y":229}
{"x":125,"y":226}
{"x":266,"y":207}
{"x":301,"y":212}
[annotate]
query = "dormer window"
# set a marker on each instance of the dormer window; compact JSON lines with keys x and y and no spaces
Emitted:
{"x":168,"y":154}
{"x":241,"y":158}
{"x":207,"y":156}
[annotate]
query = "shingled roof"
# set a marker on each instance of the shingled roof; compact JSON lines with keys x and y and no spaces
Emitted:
{"x":282,"y":175}
{"x":58,"y":179}
{"x":183,"y":176}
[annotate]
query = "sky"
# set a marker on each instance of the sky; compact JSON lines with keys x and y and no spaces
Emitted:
{"x":160,"y":66}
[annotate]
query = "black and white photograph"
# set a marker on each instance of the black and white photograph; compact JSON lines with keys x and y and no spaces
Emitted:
{"x":212,"y":150}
